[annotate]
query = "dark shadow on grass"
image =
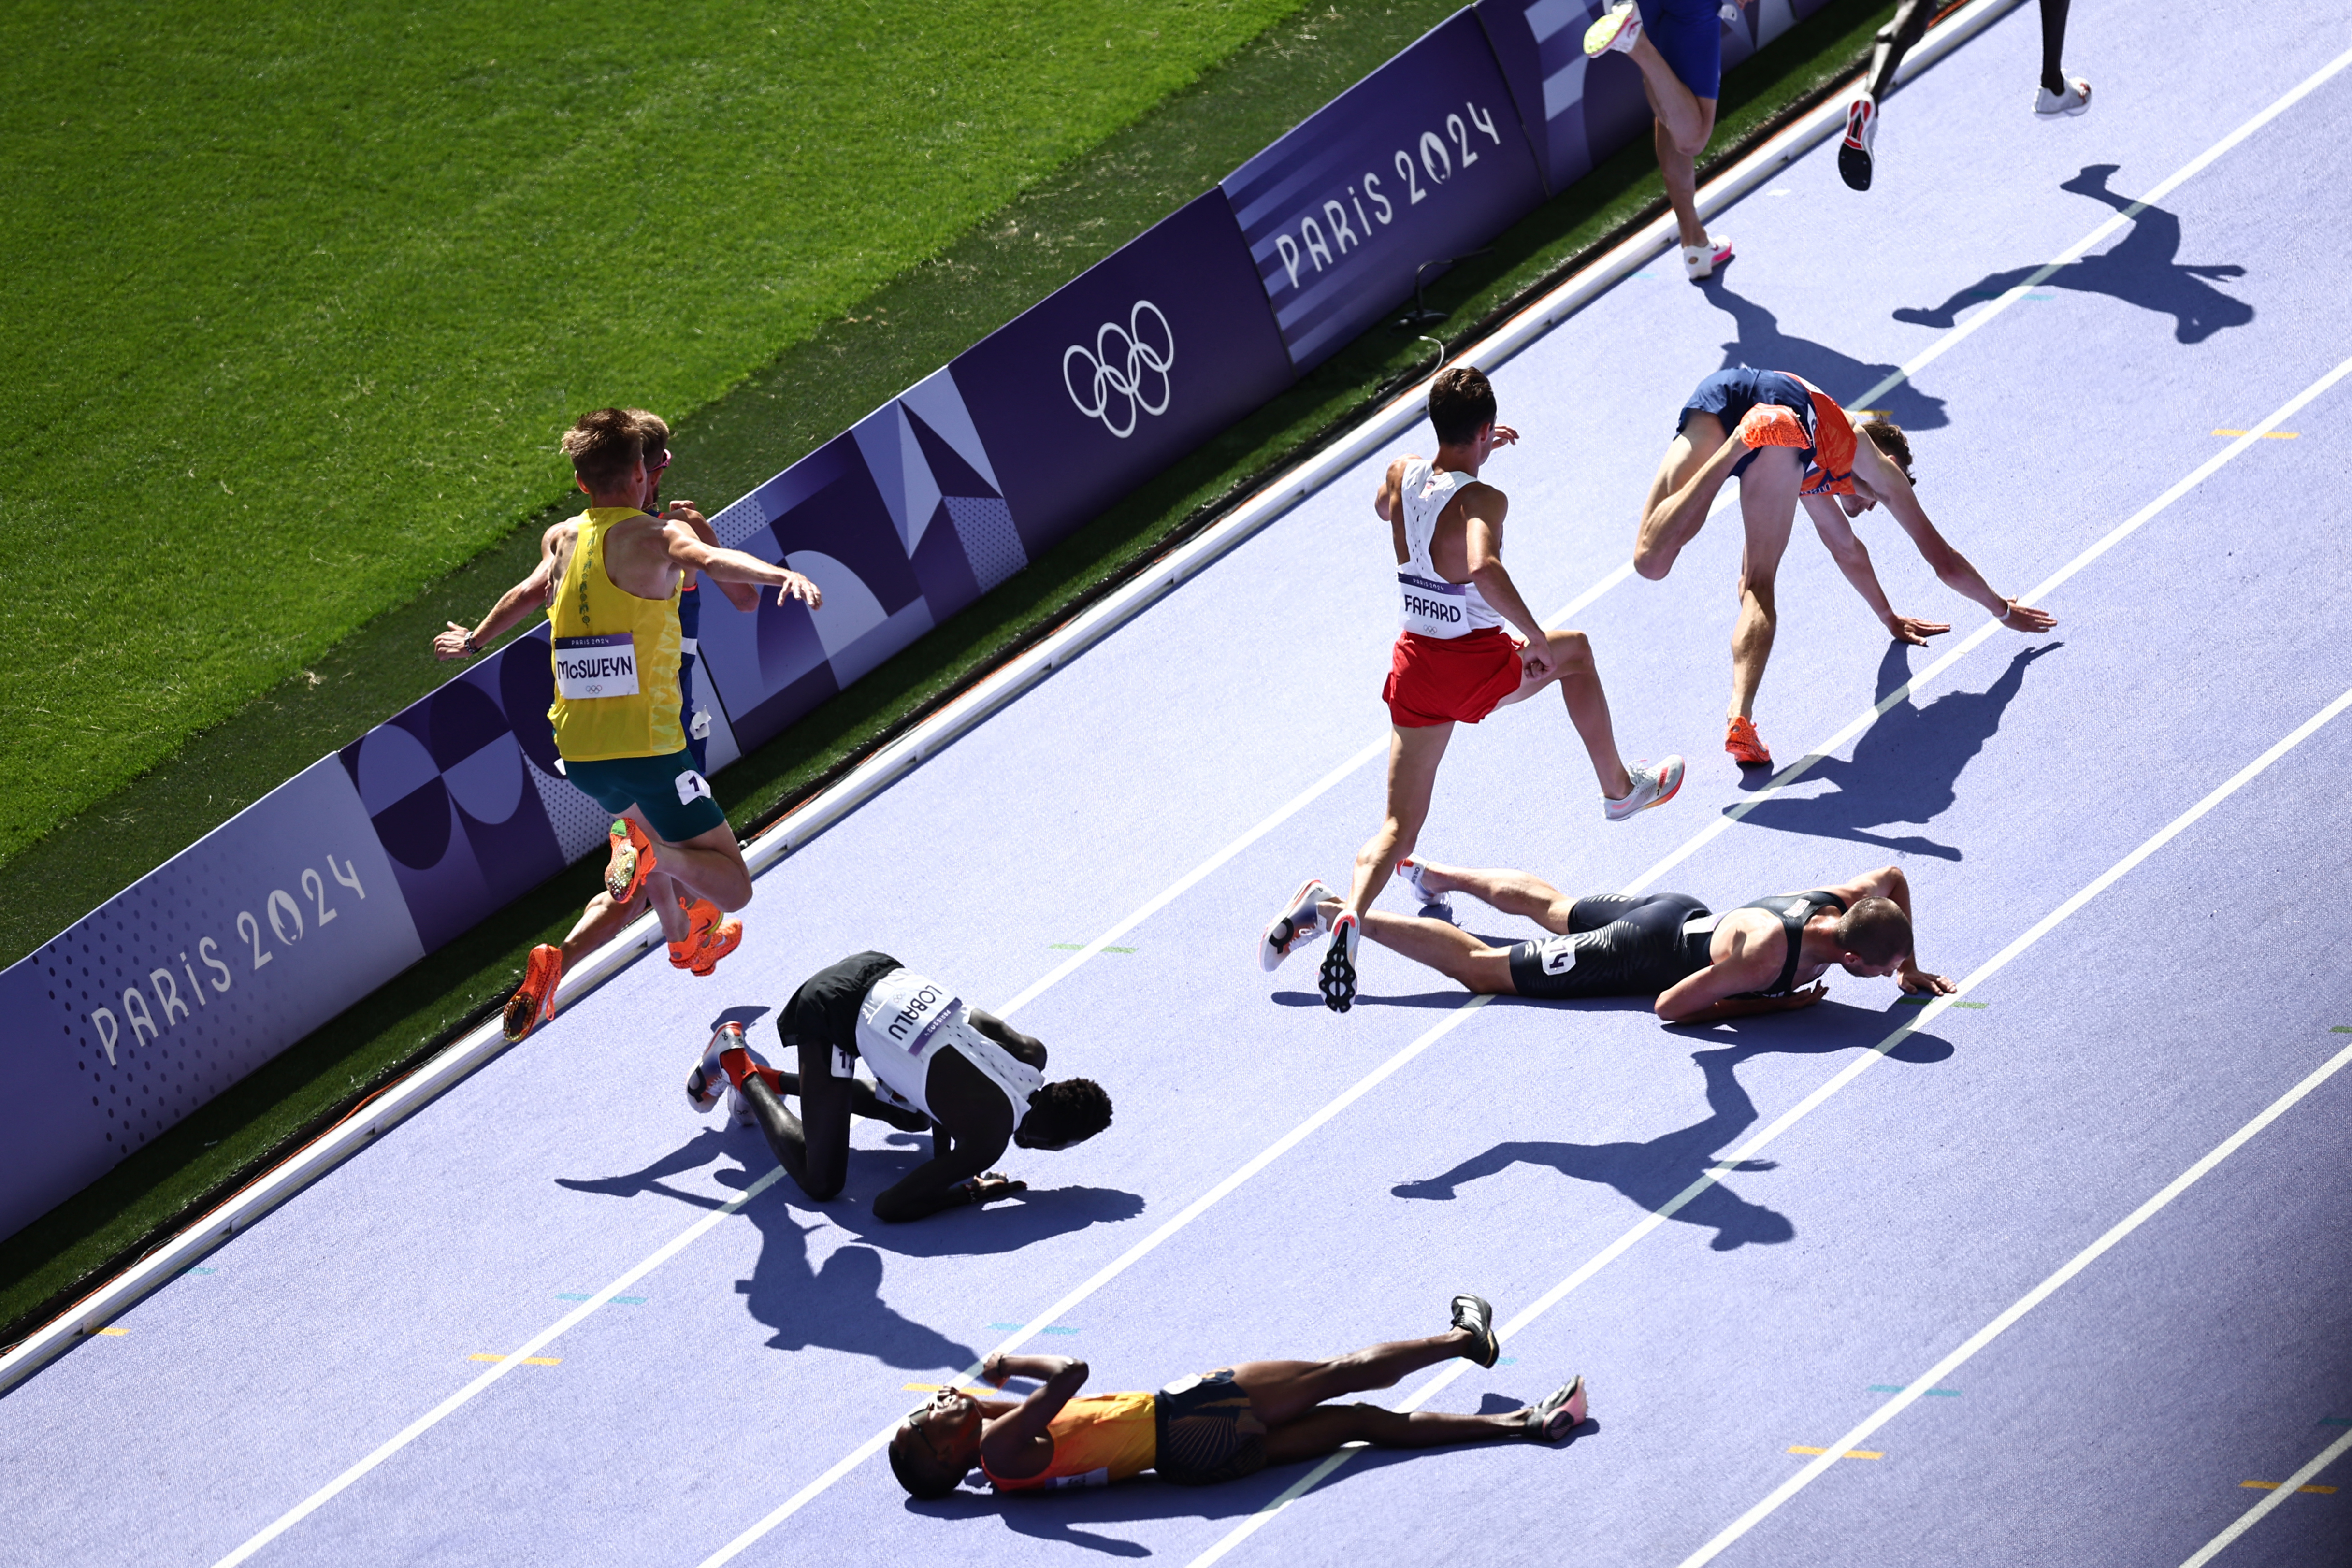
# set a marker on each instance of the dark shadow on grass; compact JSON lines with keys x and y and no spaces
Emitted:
{"x":1657,"y":1175}
{"x":1905,"y":768}
{"x":2140,"y":269}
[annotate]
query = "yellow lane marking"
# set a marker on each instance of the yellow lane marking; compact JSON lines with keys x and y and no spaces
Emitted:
{"x":1850,"y":1453}
{"x":527,"y":1361}
{"x":118,"y":1333}
{"x":2273,"y":1486}
{"x":2267,"y":435}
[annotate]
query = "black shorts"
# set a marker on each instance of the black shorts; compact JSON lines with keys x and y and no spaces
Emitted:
{"x":825,"y":1009}
{"x":1618,"y":945}
{"x":1207,"y":1432}
{"x":1728,"y":394}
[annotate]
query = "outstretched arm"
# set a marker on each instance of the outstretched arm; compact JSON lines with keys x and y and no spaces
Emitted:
{"x":1878,"y":471}
{"x":1854,"y":559}
{"x":688,"y":548}
{"x":1019,"y":1443}
{"x":515,"y":606}
{"x":741,"y":595}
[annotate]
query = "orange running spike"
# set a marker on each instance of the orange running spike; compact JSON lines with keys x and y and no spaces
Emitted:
{"x":1770,"y":425}
{"x":1747,"y":748}
{"x":534,"y":1001}
{"x":632,"y":861}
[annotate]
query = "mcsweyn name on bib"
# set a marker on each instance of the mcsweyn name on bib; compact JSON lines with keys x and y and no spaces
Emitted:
{"x":603,"y":666}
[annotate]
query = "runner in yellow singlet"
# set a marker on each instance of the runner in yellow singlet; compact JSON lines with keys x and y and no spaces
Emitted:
{"x":1217,"y":1427}
{"x":610,"y":579}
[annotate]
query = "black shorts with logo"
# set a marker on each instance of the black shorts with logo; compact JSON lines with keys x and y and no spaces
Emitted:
{"x":1617,"y":945}
{"x":1207,"y":1431}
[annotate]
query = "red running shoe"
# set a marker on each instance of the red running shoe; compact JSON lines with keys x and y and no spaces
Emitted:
{"x":534,"y":1001}
{"x":1770,"y":425}
{"x":1747,"y":748}
{"x":632,"y":861}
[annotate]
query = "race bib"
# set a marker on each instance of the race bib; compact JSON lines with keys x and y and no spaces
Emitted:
{"x":589,"y":667}
{"x":1558,"y":955}
{"x":902,"y":1012}
{"x":1430,"y":608}
{"x":691,"y":785}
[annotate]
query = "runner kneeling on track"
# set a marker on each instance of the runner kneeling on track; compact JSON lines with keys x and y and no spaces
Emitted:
{"x":971,"y":1077}
{"x":1785,"y":441}
{"x":1452,"y":663}
{"x":1200,"y":1430}
{"x":1702,"y":967}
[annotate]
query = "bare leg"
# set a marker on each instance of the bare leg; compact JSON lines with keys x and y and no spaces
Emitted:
{"x":1688,"y":479}
{"x":1768,"y":503}
{"x":1451,"y":951}
{"x":601,"y":922}
{"x":1414,"y":756}
{"x":1327,"y":1428}
{"x":1519,"y":892}
{"x":709,"y":864}
{"x":1282,"y":1391}
{"x":662,"y":889}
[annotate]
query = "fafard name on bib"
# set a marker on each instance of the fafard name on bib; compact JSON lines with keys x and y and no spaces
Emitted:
{"x":603,"y":666}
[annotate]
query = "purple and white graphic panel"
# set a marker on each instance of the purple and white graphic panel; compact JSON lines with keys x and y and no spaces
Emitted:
{"x":1121,"y":370}
{"x":1422,"y":160}
{"x":187,"y":980}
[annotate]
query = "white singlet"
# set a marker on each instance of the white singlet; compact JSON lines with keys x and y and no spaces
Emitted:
{"x":906,"y":1021}
{"x":1429,"y":605}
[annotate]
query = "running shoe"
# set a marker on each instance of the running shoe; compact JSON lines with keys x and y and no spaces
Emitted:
{"x":1300,"y":920}
{"x":717,"y":943}
{"x":707,"y":1078}
{"x":1412,"y":870}
{"x":1747,"y":748}
{"x":701,"y":918}
{"x":1771,"y":425}
{"x":1562,"y":1412}
{"x":533,"y":1001}
{"x":1700,"y":261}
{"x":1619,"y":29}
{"x":1654,"y":784}
{"x":1472,"y":1312}
{"x":1338,"y":980}
{"x":1853,"y":152}
{"x":2076,"y":100}
{"x":632,"y":861}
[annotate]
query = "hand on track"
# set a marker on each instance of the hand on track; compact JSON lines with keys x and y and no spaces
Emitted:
{"x":1917,"y":981}
{"x":2025,"y":618}
{"x":1904,"y":629}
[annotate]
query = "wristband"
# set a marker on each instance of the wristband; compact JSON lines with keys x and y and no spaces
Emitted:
{"x":471,"y":649}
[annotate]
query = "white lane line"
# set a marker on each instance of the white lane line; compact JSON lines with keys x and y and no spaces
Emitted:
{"x":401,"y":1438}
{"x":2026,"y":1304}
{"x":1706,"y":835}
{"x":1917,"y":1387}
{"x":2286,"y":1488}
{"x":1975,"y":639}
{"x":1118,"y":1265}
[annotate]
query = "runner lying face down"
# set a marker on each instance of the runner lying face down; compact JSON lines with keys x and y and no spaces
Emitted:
{"x":1763,"y":957}
{"x":1786,"y":441}
{"x":1217,"y":1427}
{"x":973,"y":1079}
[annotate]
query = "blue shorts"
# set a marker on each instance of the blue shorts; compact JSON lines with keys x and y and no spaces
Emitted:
{"x":1729,"y":395}
{"x":1689,"y":33}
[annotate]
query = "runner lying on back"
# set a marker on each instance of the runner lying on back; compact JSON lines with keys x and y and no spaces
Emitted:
{"x":1763,"y":957}
{"x":1197,"y":1431}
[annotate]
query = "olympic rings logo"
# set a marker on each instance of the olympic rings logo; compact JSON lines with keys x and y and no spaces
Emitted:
{"x":1115,"y":382}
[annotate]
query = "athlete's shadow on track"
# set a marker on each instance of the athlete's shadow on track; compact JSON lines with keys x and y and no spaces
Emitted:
{"x":1905,"y":768}
{"x":840,"y":1304}
{"x":1660,"y":1172}
{"x":1762,"y":344}
{"x":2140,"y":270}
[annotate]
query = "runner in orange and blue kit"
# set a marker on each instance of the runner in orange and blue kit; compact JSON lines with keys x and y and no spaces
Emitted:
{"x":1786,"y":441}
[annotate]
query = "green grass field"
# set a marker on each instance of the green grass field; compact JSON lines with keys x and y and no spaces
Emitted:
{"x":300,"y":295}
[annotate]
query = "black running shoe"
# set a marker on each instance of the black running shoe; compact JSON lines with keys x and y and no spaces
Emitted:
{"x":1562,"y":1412}
{"x":1853,"y":152}
{"x":1472,"y":1312}
{"x":1337,"y":981}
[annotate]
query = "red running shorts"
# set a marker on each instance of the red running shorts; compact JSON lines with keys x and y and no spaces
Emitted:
{"x":1460,"y":680}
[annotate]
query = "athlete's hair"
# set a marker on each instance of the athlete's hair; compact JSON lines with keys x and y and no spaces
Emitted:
{"x":652,"y":434}
{"x":1069,"y":1112}
{"x":1888,"y":437}
{"x":1876,"y":930}
{"x":922,"y":1476}
{"x":602,"y":444}
{"x":1460,"y":401}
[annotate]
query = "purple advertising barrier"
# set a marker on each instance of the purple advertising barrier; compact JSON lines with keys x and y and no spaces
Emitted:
{"x":1421,"y":161}
{"x":1578,"y":111}
{"x":187,"y":980}
{"x":465,"y":794}
{"x":951,"y":487}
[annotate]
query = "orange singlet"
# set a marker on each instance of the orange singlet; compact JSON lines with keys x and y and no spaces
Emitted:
{"x":1098,"y":1440}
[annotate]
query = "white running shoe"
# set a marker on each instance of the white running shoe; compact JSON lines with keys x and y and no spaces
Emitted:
{"x":1412,"y":870}
{"x":1654,"y":784}
{"x":707,"y":1079}
{"x":1338,"y":980}
{"x":1619,"y":29}
{"x":2076,"y":100}
{"x":1301,"y":920}
{"x":1700,"y":261}
{"x":1853,"y":152}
